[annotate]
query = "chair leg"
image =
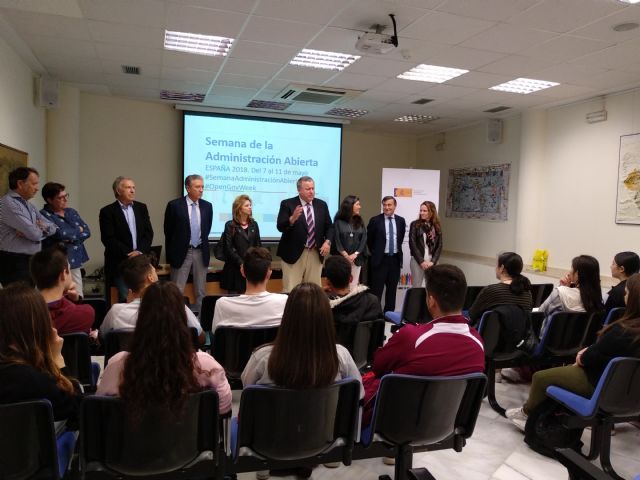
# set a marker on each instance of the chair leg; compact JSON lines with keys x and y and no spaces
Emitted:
{"x":597,"y":431}
{"x":404,"y":462}
{"x":491,"y":389}
{"x":605,"y":452}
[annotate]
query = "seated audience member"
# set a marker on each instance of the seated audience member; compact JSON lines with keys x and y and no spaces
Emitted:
{"x":138,"y":273}
{"x":513,"y":289}
{"x":579,"y":290}
{"x":349,"y":305}
{"x":618,"y":339}
{"x":31,"y":363}
{"x":623,"y":266}
{"x":50,"y":270}
{"x":445,"y":346}
{"x":163,"y":355}
{"x":256,"y":307}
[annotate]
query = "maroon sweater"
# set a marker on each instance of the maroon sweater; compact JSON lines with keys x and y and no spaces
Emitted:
{"x":68,"y":317}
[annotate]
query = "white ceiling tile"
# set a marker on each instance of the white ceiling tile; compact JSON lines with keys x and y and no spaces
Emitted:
{"x":263,"y":52}
{"x":250,"y":67}
{"x":63,"y":62}
{"x":226,"y":91}
{"x":65,"y":8}
{"x":333,"y":39}
{"x":77,"y":75}
{"x":28,"y":23}
{"x":382,"y":95}
{"x":56,"y":46}
{"x":92,"y":88}
{"x":445,"y":28}
{"x":129,"y":55}
{"x":185,"y":18}
{"x":565,"y":47}
{"x":479,"y":80}
{"x":181,"y":86}
{"x":138,"y":12}
{"x":612,"y":79}
{"x":242,"y":6}
{"x":516,"y":65}
{"x":240,"y":81}
{"x":444,"y":91}
{"x":115,"y":68}
{"x":356,"y":81}
{"x":136,"y":92}
{"x":184,"y":74}
{"x":414,"y":50}
{"x":466,"y":58}
{"x":381,"y":66}
{"x":122,"y":80}
{"x":568,"y":73}
{"x":602,"y":29}
{"x":190,"y":60}
{"x":123,"y":34}
{"x":507,"y":39}
{"x":401,"y":85}
{"x":305,"y":108}
{"x":564,"y":91}
{"x":310,"y":76}
{"x":618,"y":56}
{"x":271,"y":30}
{"x":495,"y":10}
{"x":362,"y":14}
{"x":300,"y":10}
{"x":226,"y":102}
{"x":564,"y":15}
{"x":276,"y":85}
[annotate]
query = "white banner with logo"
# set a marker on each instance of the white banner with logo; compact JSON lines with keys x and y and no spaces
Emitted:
{"x":410,"y":187}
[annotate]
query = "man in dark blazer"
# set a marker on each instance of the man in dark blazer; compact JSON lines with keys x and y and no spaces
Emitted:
{"x":187,"y":223}
{"x":125,"y":231}
{"x":307,"y":230}
{"x":385,"y":234}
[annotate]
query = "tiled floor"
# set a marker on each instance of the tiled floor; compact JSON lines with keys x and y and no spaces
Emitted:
{"x":496,"y":452}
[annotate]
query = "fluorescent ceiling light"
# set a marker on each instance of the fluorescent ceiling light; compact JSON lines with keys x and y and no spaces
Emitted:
{"x":629,"y":1}
{"x":432,"y":73}
{"x":523,"y":85}
{"x":325,"y":60}
{"x":347,"y":112}
{"x":197,"y":43}
{"x":416,"y":118}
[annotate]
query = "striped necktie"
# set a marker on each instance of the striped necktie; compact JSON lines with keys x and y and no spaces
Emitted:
{"x":311,"y":229}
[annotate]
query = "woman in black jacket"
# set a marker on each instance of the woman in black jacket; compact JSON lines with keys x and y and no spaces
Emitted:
{"x":239,"y":235}
{"x":425,"y":242}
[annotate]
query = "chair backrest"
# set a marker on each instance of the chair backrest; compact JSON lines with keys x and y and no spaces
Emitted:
{"x":362,"y":339}
{"x":565,"y":334}
{"x":233,"y":346}
{"x":425,"y":410}
{"x":208,"y":308}
{"x":27,"y":441}
{"x":503,"y":328}
{"x":100,"y":308}
{"x":160,"y":443}
{"x":470,"y":296}
{"x":285,"y":424}
{"x":414,"y":307}
{"x":613,"y":315}
{"x":77,"y":357}
{"x":540,"y":292}
{"x":116,"y":341}
{"x":620,"y":395}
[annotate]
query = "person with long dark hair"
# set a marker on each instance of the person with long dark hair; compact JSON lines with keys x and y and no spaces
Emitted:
{"x":305,"y":353}
{"x":618,"y":339}
{"x":513,"y":288}
{"x":350,"y":236}
{"x":240,"y":234}
{"x":579,"y":290}
{"x":425,"y":242}
{"x":31,"y":363}
{"x":624,"y":265}
{"x":162,"y":366}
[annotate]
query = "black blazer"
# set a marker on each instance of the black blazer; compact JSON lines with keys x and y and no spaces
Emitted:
{"x":177,"y":230}
{"x":116,"y":236}
{"x":377,"y":237}
{"x":294,"y":236}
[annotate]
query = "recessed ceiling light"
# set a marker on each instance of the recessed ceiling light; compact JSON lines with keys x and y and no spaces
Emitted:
{"x":197,"y":43}
{"x":629,"y":1}
{"x":416,"y":118}
{"x":624,"y":27}
{"x":182,"y":96}
{"x":325,"y":60}
{"x":268,"y":105}
{"x":347,"y":112}
{"x":523,"y":85}
{"x":432,"y":73}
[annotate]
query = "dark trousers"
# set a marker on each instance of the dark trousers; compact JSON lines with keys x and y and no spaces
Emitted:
{"x":386,"y":275}
{"x":14,"y":267}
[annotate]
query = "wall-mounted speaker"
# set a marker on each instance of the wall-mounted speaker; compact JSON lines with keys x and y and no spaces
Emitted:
{"x":47,"y":92}
{"x":494,"y":130}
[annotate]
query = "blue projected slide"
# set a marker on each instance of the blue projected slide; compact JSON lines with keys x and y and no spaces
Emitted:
{"x":262,"y":158}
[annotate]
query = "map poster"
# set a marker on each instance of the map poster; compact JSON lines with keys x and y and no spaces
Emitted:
{"x":628,"y":202}
{"x":479,"y":192}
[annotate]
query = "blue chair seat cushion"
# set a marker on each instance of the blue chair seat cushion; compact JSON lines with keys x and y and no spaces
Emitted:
{"x":393,"y":317}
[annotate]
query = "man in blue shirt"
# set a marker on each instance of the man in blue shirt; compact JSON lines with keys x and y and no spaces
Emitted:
{"x":22,"y":226}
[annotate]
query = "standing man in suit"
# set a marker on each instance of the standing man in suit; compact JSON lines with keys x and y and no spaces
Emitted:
{"x":187,"y":223}
{"x":385,"y":234}
{"x":125,"y":231}
{"x":306,"y":229}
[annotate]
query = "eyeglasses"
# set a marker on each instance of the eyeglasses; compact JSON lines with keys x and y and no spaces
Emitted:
{"x":63,"y":197}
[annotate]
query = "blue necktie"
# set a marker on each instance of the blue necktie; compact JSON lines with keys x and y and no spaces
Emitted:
{"x":195,"y":228}
{"x":392,"y":250}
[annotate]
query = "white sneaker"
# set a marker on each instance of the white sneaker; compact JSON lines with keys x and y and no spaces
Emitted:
{"x":498,"y":377}
{"x":332,"y":464}
{"x":517,"y":417}
{"x":389,"y":460}
{"x":511,"y":375}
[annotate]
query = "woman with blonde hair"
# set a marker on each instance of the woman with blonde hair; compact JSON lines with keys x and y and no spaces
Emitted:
{"x":240,"y":234}
{"x":425,"y":242}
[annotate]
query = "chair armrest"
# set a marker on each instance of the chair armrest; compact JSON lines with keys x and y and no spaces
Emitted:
{"x":576,"y":403}
{"x":393,"y":317}
{"x":579,"y":466}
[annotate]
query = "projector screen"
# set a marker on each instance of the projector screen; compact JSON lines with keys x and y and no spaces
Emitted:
{"x":263,"y":158}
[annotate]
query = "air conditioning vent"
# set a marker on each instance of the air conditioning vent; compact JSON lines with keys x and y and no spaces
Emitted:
{"x":317,"y":95}
{"x":501,"y":108}
{"x":130,"y":70}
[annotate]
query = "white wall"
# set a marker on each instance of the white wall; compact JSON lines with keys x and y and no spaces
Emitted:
{"x":22,"y":124}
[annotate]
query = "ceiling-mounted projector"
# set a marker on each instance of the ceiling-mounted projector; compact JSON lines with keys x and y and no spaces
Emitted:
{"x":378,"y":42}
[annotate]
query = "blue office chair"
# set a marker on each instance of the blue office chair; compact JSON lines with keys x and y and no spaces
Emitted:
{"x":77,"y":357}
{"x":414,"y":308}
{"x":613,"y":315}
